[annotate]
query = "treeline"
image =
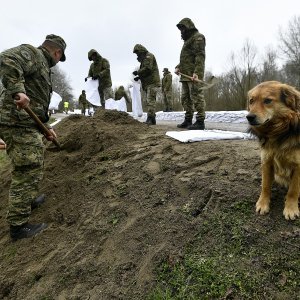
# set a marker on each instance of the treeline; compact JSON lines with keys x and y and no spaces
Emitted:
{"x":247,"y":69}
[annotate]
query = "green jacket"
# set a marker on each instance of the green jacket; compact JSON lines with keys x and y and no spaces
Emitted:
{"x":25,"y":69}
{"x":148,"y":72}
{"x":120,"y":92}
{"x":82,"y":99}
{"x":100,"y":68}
{"x":192,"y":56}
{"x":166,"y":82}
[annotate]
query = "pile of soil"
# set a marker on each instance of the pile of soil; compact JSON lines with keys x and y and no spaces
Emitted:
{"x":122,"y":197}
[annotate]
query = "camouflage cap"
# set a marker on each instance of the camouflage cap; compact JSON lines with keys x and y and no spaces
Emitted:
{"x":165,"y":70}
{"x":59,"y":42}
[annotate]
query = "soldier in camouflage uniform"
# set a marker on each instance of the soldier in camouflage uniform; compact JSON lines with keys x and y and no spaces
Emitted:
{"x":166,"y":86}
{"x":83,"y":102}
{"x":149,"y":76}
{"x":120,"y":93}
{"x":25,"y":74}
{"x":192,"y":63}
{"x":100,"y":70}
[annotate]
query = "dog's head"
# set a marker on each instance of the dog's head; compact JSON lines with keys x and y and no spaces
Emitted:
{"x":270,"y":100}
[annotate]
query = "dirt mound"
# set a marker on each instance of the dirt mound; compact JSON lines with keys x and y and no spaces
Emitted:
{"x":122,"y":197}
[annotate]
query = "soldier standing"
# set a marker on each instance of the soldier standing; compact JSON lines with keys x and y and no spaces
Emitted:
{"x":149,"y":76}
{"x":192,"y":63}
{"x":83,"y":102}
{"x":100,"y":70}
{"x":166,"y":86}
{"x":25,"y":74}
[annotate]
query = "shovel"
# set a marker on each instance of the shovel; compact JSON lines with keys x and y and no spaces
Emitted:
{"x":207,"y":84}
{"x":45,"y":131}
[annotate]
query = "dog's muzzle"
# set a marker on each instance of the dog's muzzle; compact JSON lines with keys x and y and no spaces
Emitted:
{"x":252,"y":119}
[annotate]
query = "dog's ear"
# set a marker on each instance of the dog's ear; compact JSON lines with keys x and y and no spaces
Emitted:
{"x":290,"y":96}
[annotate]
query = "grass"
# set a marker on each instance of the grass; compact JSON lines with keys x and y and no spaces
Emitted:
{"x":228,"y":260}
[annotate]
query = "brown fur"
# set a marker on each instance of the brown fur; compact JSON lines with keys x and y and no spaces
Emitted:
{"x":274,"y":117}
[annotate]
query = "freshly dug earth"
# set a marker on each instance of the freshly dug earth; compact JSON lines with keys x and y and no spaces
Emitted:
{"x":123,"y":199}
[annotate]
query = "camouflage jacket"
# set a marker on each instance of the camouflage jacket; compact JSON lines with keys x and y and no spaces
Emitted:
{"x":148,"y":72}
{"x":192,"y":56}
{"x":82,"y":99}
{"x":120,"y":92}
{"x":100,"y":68}
{"x":25,"y":69}
{"x":166,"y":82}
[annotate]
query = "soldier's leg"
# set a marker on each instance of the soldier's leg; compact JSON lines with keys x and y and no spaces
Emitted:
{"x":165,"y":99}
{"x":187,"y":105}
{"x":26,"y":151}
{"x":197,"y":96}
{"x":108,"y":93}
{"x":102,"y":100}
{"x":169,"y":100}
{"x":151,"y":100}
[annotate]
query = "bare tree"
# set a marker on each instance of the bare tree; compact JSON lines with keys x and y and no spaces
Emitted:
{"x":290,"y":48}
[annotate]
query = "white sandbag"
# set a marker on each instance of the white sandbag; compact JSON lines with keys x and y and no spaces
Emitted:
{"x":119,"y":105}
{"x":135,"y":91}
{"x":91,"y":91}
{"x":54,"y":101}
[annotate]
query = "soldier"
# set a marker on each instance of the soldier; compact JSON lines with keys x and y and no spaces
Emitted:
{"x":192,"y":63}
{"x":120,"y":92}
{"x":149,"y":76}
{"x":25,"y":74}
{"x":100,"y":70}
{"x":83,"y":102}
{"x":166,"y":86}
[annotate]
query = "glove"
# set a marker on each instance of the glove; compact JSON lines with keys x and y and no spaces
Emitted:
{"x":85,"y":79}
{"x":136,"y":78}
{"x":135,"y":73}
{"x":95,"y":77}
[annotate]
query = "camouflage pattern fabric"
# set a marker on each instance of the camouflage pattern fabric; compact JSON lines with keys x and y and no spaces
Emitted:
{"x":100,"y":68}
{"x":83,"y":102}
{"x":25,"y":69}
{"x":192,"y":56}
{"x":26,"y":152}
{"x":192,"y":61}
{"x":151,"y":93}
{"x":120,"y":93}
{"x":166,"y":85}
{"x":192,"y":97}
{"x":148,"y":72}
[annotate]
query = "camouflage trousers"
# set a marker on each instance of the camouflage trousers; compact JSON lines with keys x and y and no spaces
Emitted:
{"x":167,"y":97}
{"x":151,"y":93}
{"x":105,"y":94}
{"x":192,"y":97}
{"x":25,"y":149}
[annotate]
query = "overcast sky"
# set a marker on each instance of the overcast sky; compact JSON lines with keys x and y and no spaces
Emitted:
{"x":113,"y":27}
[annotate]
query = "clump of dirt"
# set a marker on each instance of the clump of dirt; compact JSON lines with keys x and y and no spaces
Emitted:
{"x":122,"y":198}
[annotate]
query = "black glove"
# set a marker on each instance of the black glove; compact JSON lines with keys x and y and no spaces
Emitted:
{"x":136,"y":78}
{"x":85,"y":79}
{"x":135,"y":73}
{"x":95,"y":77}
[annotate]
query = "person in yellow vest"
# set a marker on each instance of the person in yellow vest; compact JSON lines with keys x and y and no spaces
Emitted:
{"x":66,"y":107}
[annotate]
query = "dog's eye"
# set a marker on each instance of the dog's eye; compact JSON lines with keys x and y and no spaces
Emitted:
{"x":267,"y":101}
{"x":251,"y":101}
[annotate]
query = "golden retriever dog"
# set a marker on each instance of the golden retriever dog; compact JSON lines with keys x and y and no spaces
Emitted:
{"x":274,"y":118}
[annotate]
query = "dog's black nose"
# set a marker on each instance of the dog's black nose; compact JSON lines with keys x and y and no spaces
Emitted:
{"x":251,"y":118}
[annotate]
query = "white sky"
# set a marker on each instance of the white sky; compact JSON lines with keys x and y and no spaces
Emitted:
{"x":113,"y":27}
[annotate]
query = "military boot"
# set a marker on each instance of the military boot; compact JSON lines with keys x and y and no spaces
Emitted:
{"x":186,"y":123}
{"x":198,"y":125}
{"x":153,"y":120}
{"x":26,"y":230}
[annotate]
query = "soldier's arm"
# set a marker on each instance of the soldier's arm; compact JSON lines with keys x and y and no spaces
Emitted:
{"x":11,"y":72}
{"x":199,"y":49}
{"x":105,"y":69}
{"x":147,"y":66}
